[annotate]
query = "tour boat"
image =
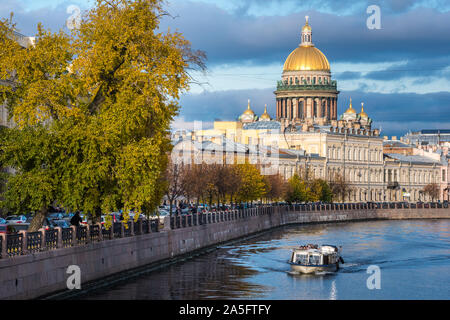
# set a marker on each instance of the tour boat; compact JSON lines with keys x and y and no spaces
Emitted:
{"x":314,"y":258}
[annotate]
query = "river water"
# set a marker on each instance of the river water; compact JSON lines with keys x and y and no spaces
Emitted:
{"x":413,"y":257}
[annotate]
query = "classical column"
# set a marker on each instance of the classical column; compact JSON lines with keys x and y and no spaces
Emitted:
{"x":305,"y":108}
{"x":331,"y":109}
{"x":278,"y":109}
{"x":295,"y":108}
{"x":308,"y":108}
{"x":289,"y":104}
{"x":326,"y":109}
{"x":319,"y":108}
{"x":335,"y":108}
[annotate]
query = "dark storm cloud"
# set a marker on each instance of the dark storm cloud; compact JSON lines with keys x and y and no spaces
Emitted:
{"x":393,"y":112}
{"x":227,"y":37}
{"x":225,"y":105}
{"x":340,"y":6}
{"x":231,"y":38}
{"x":437,"y":67}
{"x":400,"y":107}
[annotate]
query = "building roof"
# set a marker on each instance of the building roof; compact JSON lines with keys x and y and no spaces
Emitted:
{"x":261,"y":125}
{"x":396,"y":144}
{"x":435,"y":131}
{"x":413,"y":159}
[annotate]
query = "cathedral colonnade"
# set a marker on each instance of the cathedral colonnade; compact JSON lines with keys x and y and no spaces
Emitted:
{"x":306,"y":107}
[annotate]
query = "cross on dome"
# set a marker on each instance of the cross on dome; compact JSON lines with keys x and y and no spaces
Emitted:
{"x":306,"y":34}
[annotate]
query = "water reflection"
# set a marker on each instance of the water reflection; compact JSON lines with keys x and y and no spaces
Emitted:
{"x":414,"y":257}
{"x":205,"y":277}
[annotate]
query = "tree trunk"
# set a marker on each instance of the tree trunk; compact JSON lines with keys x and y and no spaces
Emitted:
{"x":96,"y":217}
{"x":38,"y":220}
{"x":170,"y":207}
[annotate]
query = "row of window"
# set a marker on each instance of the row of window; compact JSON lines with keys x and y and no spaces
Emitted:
{"x":308,"y":80}
{"x":388,"y":195}
{"x":361,"y":175}
{"x":355,"y":154}
{"x":317,"y":105}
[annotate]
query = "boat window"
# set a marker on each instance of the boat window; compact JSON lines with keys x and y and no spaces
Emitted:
{"x":302,"y":259}
{"x":314,"y":259}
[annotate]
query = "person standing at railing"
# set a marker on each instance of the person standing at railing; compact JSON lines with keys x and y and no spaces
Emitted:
{"x":76,"y":220}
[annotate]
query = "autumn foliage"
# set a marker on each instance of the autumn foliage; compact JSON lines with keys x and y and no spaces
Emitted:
{"x":93,"y":110}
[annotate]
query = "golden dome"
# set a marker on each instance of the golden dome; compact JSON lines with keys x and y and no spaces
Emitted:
{"x":249,"y":111}
{"x":306,"y":58}
{"x":350,"y":110}
{"x":265,"y":115}
{"x":362,"y":114}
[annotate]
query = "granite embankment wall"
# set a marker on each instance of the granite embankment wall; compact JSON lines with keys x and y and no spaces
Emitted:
{"x":35,"y":274}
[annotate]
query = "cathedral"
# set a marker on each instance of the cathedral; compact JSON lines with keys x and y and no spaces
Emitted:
{"x":308,"y":133}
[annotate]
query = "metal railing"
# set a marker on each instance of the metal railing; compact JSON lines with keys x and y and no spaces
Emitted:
{"x":52,"y":239}
{"x":94,"y":232}
{"x":34,"y":241}
{"x":67,"y":237}
{"x":14,"y":244}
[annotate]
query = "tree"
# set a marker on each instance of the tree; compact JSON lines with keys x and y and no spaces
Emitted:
{"x":276,"y":187}
{"x":319,"y":190}
{"x":234,"y":182}
{"x":195,"y":180}
{"x":252,"y":185}
{"x":297,"y":190}
{"x":175,"y":183}
{"x":432,"y":190}
{"x":32,"y":187}
{"x":108,"y":92}
{"x":339,"y":187}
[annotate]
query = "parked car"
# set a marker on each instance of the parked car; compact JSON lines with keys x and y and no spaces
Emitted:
{"x":55,"y":215}
{"x":16,"y":219}
{"x":18,"y":226}
{"x":160,"y":214}
{"x":60,"y":223}
{"x":141,"y":216}
{"x":3,"y":227}
{"x":2,"y":221}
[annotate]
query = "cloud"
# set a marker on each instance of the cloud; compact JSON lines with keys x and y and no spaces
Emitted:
{"x":52,"y":17}
{"x":181,"y":124}
{"x":413,"y":111}
{"x":232,"y":38}
{"x":341,"y":7}
{"x":225,"y":105}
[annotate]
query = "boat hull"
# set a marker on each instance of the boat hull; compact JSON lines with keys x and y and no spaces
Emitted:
{"x":313,"y":269}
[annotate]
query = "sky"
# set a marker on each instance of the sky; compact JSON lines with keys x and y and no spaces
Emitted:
{"x":401,"y":71}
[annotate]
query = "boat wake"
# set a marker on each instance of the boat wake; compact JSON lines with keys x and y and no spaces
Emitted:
{"x":317,"y":273}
